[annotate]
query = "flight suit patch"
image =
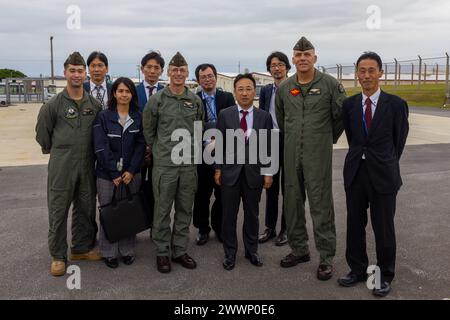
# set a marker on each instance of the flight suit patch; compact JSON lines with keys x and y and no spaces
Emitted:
{"x":71,"y":113}
{"x":88,"y":112}
{"x":295,"y":92}
{"x":314,"y":92}
{"x":188,"y":104}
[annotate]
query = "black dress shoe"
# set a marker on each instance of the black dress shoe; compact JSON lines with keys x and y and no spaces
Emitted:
{"x":128,"y":259}
{"x":255,"y":259}
{"x":202,"y":238}
{"x":384,"y":290}
{"x":267,"y":235}
{"x":281,"y":239}
{"x":228,"y":263}
{"x":292,"y":260}
{"x":186,"y":261}
{"x":324,"y":272}
{"x":351,"y":279}
{"x":112,"y":262}
{"x":163,"y":264}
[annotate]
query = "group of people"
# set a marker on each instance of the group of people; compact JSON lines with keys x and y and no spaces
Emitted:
{"x":102,"y":136}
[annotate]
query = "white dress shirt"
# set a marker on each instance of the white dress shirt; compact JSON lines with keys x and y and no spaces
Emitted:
{"x":103,"y":93}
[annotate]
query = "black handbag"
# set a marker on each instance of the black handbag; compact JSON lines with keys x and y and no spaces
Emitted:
{"x":125,"y":217}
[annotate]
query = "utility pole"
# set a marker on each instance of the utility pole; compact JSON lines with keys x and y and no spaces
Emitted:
{"x":51,"y":60}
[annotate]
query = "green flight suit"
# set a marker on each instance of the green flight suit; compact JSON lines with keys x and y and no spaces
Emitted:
{"x":64,"y":129}
{"x":172,"y":183}
{"x":310,"y":118}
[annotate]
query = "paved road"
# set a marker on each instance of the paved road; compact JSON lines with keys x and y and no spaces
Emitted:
{"x":432,"y":111}
{"x":422,"y":220}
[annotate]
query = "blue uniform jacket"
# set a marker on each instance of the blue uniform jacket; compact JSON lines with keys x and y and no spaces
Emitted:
{"x":112,"y":142}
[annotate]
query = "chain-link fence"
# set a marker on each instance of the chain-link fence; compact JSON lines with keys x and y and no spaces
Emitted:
{"x":414,"y":72}
{"x":422,"y":70}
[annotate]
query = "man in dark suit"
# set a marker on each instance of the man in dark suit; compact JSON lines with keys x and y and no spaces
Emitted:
{"x":97,"y":86}
{"x":278,"y":65}
{"x":242,"y":178}
{"x":152,"y":67}
{"x":376,"y":126}
{"x":214,"y":101}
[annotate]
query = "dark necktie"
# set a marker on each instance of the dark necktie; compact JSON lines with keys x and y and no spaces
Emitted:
{"x":100,"y":95}
{"x":209,"y":109}
{"x":368,"y":113}
{"x":244,"y":122}
{"x":150,"y":90}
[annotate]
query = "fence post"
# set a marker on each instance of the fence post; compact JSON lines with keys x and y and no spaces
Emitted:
{"x":396,"y":70}
{"x":437,"y":73}
{"x":7,"y":92}
{"x":355,"y":82}
{"x":420,"y":71}
{"x":385,"y":74}
{"x":399,"y":74}
{"x":424,"y":73}
{"x":447,"y":71}
{"x":412,"y":73}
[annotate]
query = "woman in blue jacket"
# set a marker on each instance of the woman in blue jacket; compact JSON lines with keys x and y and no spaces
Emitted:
{"x":119,"y":147}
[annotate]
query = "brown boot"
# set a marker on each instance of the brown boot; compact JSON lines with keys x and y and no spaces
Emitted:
{"x":92,"y":255}
{"x":58,"y":268}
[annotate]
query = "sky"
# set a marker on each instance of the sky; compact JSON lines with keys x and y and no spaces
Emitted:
{"x":228,"y":33}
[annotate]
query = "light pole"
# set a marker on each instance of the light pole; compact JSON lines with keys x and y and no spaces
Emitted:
{"x":51,"y":60}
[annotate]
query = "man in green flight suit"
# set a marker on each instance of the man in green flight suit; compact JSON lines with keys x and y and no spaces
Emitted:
{"x":63,"y":129}
{"x":308,"y":110}
{"x":171,"y":109}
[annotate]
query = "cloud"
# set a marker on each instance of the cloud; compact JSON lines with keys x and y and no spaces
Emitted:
{"x":222,"y":32}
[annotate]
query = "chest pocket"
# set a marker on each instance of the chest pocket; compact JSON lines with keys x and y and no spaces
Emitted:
{"x":190,"y":111}
{"x":314,"y":101}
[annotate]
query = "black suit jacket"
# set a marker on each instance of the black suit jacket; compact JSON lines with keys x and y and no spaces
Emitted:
{"x":229,"y":119}
{"x":382,"y":145}
{"x":224,"y":100}
{"x":264,"y":97}
{"x":87,"y":88}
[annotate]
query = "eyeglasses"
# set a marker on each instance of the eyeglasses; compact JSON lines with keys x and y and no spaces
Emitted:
{"x":279,"y":65}
{"x":207,"y":77}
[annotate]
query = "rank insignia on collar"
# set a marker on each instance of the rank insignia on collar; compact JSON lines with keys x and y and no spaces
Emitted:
{"x":71,"y":113}
{"x":295,"y":92}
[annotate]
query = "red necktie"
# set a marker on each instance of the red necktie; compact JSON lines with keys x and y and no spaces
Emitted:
{"x":244,"y":122}
{"x":368,"y":113}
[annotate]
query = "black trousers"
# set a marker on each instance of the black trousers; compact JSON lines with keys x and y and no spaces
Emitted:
{"x":272,"y":197}
{"x":147,"y":189}
{"x":273,"y":194}
{"x":231,"y":199}
{"x":206,"y":186}
{"x":360,"y":195}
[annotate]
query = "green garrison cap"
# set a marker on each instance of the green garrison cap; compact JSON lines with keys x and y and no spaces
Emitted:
{"x":178,"y":60}
{"x":76,"y":59}
{"x":303,"y":44}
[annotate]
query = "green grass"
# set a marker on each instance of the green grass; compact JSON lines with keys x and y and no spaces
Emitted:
{"x":429,"y":95}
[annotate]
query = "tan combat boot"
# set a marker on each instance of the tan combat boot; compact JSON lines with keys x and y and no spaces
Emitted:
{"x":58,"y":268}
{"x":92,"y":255}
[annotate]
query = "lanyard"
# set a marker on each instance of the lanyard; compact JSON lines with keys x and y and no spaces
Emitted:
{"x":210,"y":107}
